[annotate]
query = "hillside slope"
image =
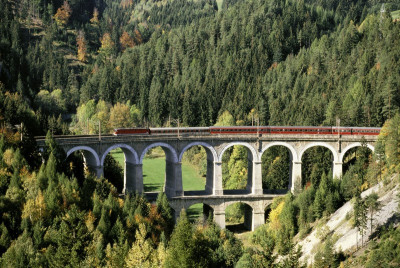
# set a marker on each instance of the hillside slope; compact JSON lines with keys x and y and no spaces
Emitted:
{"x":339,"y":225}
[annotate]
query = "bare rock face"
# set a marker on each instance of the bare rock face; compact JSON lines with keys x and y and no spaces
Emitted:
{"x":340,"y":227}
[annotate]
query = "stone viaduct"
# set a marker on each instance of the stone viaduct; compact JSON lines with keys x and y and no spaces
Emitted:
{"x":214,"y":197}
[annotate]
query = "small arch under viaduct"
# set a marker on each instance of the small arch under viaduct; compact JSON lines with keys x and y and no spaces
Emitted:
{"x":95,"y":149}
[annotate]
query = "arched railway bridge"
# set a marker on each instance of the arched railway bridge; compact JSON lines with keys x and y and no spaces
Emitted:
{"x":95,"y":148}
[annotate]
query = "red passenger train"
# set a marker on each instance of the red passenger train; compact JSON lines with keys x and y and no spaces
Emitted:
{"x":248,"y":130}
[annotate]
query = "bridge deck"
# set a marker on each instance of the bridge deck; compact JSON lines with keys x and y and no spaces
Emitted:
{"x":95,"y":139}
{"x":227,"y":194}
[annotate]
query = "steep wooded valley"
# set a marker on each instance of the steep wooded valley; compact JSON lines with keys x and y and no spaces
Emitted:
{"x":78,"y":67}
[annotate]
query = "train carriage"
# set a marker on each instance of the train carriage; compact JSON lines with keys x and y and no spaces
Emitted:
{"x":300,"y":130}
{"x":131,"y":131}
{"x":234,"y":130}
{"x":365,"y":131}
{"x":247,"y":130}
{"x":182,"y":131}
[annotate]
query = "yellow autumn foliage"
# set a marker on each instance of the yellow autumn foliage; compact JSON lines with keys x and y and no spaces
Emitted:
{"x":274,"y":223}
{"x":35,"y":209}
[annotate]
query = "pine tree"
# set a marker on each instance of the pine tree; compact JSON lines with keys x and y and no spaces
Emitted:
{"x":42,"y":179}
{"x":2,"y":149}
{"x":51,"y":168}
{"x":318,"y":205}
{"x":360,"y":216}
{"x":181,"y":252}
{"x":326,"y":257}
{"x":5,"y":239}
{"x":373,"y":205}
{"x":21,"y":253}
{"x":104,"y":223}
{"x":165,"y":210}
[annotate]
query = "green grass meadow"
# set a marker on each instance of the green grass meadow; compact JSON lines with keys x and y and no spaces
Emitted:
{"x":154,"y":175}
{"x":395,"y":14}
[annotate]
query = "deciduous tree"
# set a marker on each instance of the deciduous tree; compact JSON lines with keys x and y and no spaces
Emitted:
{"x":63,"y":14}
{"x":82,"y":46}
{"x":120,"y":116}
{"x":95,"y":19}
{"x":142,"y":252}
{"x":107,"y":46}
{"x":126,"y":41}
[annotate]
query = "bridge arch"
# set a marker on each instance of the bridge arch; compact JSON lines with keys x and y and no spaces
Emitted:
{"x":322,"y":144}
{"x":211,"y":155}
{"x":170,"y":153}
{"x":173,"y":169}
{"x":227,"y":204}
{"x":131,"y":155}
{"x":253,"y":182}
{"x":190,"y":203}
{"x":208,"y":147}
{"x":241,"y":208}
{"x":254,"y":154}
{"x":91,"y":158}
{"x":351,"y":146}
{"x":293,"y":153}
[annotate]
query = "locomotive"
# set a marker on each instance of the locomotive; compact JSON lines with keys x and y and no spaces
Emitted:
{"x":260,"y":130}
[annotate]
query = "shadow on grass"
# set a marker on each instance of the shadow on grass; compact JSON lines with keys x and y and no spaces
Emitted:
{"x":195,"y":212}
{"x":153,"y":187}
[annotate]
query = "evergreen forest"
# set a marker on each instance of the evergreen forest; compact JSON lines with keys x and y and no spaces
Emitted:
{"x":77,"y":67}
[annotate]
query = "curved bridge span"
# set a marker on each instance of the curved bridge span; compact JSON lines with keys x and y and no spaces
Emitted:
{"x":95,"y":148}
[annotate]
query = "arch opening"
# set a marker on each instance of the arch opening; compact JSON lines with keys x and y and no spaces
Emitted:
{"x":161,"y":169}
{"x":276,"y":168}
{"x":237,"y":169}
{"x":199,"y":212}
{"x":113,"y":168}
{"x":76,"y":167}
{"x":239,"y":217}
{"x":267,"y":211}
{"x":82,"y":161}
{"x":316,"y":161}
{"x":356,"y":160}
{"x":197,"y":170}
{"x":154,"y":170}
{"x":119,"y":163}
